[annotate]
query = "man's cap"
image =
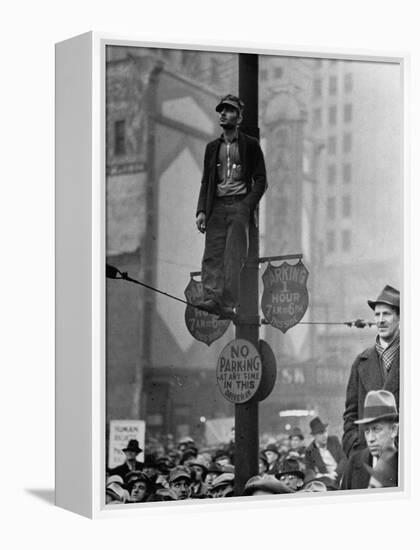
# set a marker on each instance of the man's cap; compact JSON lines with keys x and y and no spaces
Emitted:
{"x":115,"y":478}
{"x":386,"y":469}
{"x":379,"y":405}
{"x":266,"y":483}
{"x":231,"y":100}
{"x":317,"y":426}
{"x":221,"y":453}
{"x":136,"y":475}
{"x":273,"y":448}
{"x":133,"y":445}
{"x":291,"y":466}
{"x":214,"y":468}
{"x":180,"y":472}
{"x":117,"y":492}
{"x":200,"y":461}
{"x":296,"y":432}
{"x":185,"y":440}
{"x":314,"y":486}
{"x":222,"y":480}
{"x":389,"y":296}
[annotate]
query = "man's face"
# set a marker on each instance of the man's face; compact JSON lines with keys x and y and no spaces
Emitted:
{"x":138,"y":491}
{"x":198,"y":470}
{"x":387,"y":321}
{"x":292,"y":481}
{"x":130,"y":455}
{"x":295,"y":442}
{"x":229,"y":117}
{"x":181,"y":487}
{"x":380,"y":435}
{"x":321,"y":439}
{"x":271,"y":456}
{"x":210,"y":477}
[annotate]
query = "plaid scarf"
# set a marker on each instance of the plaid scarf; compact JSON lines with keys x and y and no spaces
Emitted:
{"x":387,"y":355}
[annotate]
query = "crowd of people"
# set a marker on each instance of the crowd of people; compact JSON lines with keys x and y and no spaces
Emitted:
{"x":366,"y":457}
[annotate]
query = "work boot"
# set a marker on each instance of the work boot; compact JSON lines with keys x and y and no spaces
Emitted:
{"x":210,"y":306}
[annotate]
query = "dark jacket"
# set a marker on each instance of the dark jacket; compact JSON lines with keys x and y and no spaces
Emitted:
{"x":355,"y":475}
{"x":253,"y":170}
{"x":314,"y":463}
{"x":366,"y":375}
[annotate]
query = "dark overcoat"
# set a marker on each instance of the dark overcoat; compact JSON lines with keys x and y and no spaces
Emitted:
{"x":366,"y":375}
{"x":313,"y":459}
{"x":253,"y":170}
{"x":355,"y":475}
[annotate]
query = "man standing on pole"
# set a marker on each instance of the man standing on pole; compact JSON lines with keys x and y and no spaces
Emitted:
{"x":233,"y":182}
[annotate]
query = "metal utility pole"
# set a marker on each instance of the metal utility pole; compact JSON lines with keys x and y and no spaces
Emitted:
{"x":246,"y":414}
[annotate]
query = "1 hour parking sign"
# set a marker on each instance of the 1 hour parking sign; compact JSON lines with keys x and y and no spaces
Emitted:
{"x":285,"y":297}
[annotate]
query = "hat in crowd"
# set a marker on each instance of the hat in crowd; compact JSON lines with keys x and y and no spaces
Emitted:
{"x":389,"y":296}
{"x":266,"y":483}
{"x":117,"y":492}
{"x":214,"y":468}
{"x":190,"y":452}
{"x":115,"y":478}
{"x":296,"y":432}
{"x":314,"y":486}
{"x":317,"y":426}
{"x":272,"y":447}
{"x":179,"y":472}
{"x":187,"y":440}
{"x":223,"y":480}
{"x":386,"y":469}
{"x":291,"y":466}
{"x":133,"y":445}
{"x":231,"y":100}
{"x":136,"y":475}
{"x":221,"y":454}
{"x":200,"y":461}
{"x":379,"y":405}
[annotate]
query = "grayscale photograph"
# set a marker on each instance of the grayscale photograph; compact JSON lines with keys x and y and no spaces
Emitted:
{"x":254,"y":264}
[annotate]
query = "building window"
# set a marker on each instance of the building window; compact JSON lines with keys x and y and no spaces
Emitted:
{"x":332,"y":173}
{"x":347,"y":143}
{"x":316,"y":118}
{"x":278,"y":72}
{"x":331,"y":208}
{"x":332,"y":115}
{"x":330,"y":241}
{"x":119,"y":137}
{"x":346,"y":172}
{"x":348,"y":112}
{"x":346,"y":240}
{"x":332,"y":145}
{"x":346,"y":206}
{"x":348,"y":82}
{"x":264,"y":74}
{"x":317,"y":90}
{"x":332,"y":85}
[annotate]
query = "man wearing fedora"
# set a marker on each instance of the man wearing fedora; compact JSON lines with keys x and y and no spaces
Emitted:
{"x":291,"y":474}
{"x":233,"y":182}
{"x":324,"y":457}
{"x":377,"y":367}
{"x":131,"y":463}
{"x":379,"y":422}
{"x":272,"y":455}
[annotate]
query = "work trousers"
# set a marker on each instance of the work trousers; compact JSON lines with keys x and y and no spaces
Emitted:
{"x":226,"y":250}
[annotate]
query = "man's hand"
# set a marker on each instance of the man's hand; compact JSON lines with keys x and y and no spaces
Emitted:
{"x":201,"y":222}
